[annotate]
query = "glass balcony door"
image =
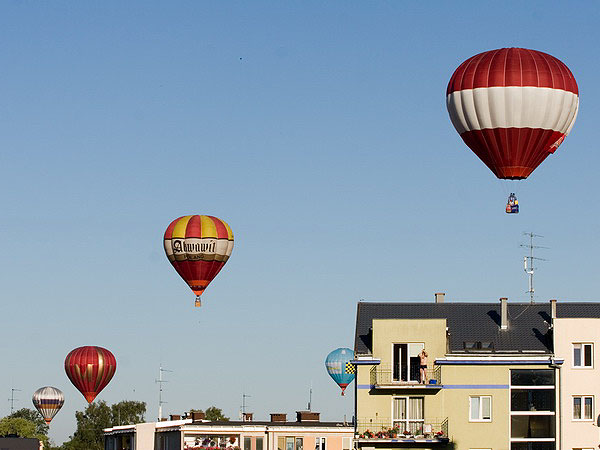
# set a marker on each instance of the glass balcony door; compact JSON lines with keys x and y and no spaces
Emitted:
{"x":409,"y":414}
{"x":406,"y":362}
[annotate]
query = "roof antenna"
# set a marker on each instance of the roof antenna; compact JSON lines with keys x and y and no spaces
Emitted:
{"x":310,"y":397}
{"x":243,"y":407}
{"x":528,"y":262}
{"x":160,"y":382}
{"x":12,"y":399}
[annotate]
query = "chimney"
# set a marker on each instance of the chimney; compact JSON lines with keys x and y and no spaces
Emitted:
{"x":307,"y":416}
{"x":174,"y":417}
{"x":197,"y":416}
{"x":278,"y":417}
{"x":247,"y":417}
{"x":553,"y":306}
{"x":439,"y":297}
{"x":504,"y":313}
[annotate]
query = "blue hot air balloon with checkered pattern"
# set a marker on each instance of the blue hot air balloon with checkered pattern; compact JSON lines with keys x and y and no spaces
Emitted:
{"x":340,"y":368}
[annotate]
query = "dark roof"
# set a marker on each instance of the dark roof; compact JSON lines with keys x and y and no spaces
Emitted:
{"x":476,"y":322}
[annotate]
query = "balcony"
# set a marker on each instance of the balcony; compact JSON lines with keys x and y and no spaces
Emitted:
{"x":372,"y":431}
{"x":385,"y":377}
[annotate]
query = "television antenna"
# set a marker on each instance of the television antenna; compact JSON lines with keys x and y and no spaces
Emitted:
{"x":160,"y":382}
{"x":528,"y":262}
{"x":12,"y":399}
{"x":243,"y":407}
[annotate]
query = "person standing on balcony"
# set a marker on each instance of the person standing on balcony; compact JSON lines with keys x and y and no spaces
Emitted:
{"x":423,"y":366}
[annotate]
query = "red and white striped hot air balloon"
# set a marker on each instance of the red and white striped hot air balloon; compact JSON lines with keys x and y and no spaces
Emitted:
{"x":513,"y":107}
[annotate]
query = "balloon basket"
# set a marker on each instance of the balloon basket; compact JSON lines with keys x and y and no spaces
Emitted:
{"x":198,"y":302}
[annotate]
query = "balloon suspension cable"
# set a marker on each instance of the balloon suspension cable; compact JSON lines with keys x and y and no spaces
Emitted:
{"x":198,"y":302}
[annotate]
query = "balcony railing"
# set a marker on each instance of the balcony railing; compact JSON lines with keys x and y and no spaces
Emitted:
{"x":390,"y":377}
{"x":402,"y":430}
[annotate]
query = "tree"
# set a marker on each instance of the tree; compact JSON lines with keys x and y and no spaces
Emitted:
{"x":21,"y":427}
{"x":96,"y":417}
{"x":41,"y":427}
{"x":214,"y":414}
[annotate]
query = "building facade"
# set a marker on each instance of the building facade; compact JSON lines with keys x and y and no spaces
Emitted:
{"x":306,"y":433}
{"x":496,"y":376}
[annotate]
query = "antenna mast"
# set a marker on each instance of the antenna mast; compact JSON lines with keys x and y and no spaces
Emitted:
{"x":243,"y":407}
{"x":12,"y":399}
{"x":160,"y":382}
{"x":528,"y":262}
{"x":310,"y":397}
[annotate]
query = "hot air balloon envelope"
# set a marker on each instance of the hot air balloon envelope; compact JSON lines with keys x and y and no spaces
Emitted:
{"x":48,"y":401}
{"x":340,"y":368}
{"x":90,"y":369}
{"x":513,"y":107}
{"x":198,"y":247}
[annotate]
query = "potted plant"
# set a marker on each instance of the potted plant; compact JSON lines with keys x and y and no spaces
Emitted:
{"x":368,"y":434}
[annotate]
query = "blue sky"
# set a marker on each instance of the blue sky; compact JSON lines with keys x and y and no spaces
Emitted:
{"x":318,"y":131}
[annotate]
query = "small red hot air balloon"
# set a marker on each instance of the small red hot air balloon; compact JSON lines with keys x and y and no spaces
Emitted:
{"x":513,"y":107}
{"x":198,"y":247}
{"x":90,"y":369}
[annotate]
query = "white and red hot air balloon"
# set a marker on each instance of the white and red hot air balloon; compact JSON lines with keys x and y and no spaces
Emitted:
{"x":513,"y":107}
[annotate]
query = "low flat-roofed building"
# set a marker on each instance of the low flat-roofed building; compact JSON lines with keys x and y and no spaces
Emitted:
{"x":18,"y":443}
{"x":306,"y":433}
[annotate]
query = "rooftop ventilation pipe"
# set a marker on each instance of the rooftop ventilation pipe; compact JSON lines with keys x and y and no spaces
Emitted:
{"x":439,"y":297}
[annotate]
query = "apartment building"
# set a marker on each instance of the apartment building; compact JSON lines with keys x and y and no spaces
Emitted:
{"x":497,"y":375}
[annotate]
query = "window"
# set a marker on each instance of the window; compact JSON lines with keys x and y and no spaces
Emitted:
{"x":480,"y":408}
{"x":532,"y":377}
{"x":532,"y":446}
{"x":259,"y":443}
{"x":532,"y":400}
{"x":320,"y":443}
{"x":248,"y":443}
{"x":582,"y":355}
{"x":408,"y":414}
{"x":406,"y":362}
{"x":538,"y":426}
{"x":284,"y":443}
{"x":583,"y":408}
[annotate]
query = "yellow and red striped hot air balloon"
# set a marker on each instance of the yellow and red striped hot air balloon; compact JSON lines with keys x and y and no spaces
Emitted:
{"x":198,"y":247}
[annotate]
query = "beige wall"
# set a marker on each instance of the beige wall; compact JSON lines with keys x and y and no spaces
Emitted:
{"x":333,"y":438}
{"x":577,"y":381}
{"x":144,"y":436}
{"x":375,"y":407}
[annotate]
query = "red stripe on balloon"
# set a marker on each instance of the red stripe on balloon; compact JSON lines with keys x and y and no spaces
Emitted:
{"x":512,"y":153}
{"x":512,"y":67}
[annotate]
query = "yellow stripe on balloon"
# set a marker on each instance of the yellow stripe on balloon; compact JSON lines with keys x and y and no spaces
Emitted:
{"x":229,"y":232}
{"x":180,"y":227}
{"x":209,"y":230}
